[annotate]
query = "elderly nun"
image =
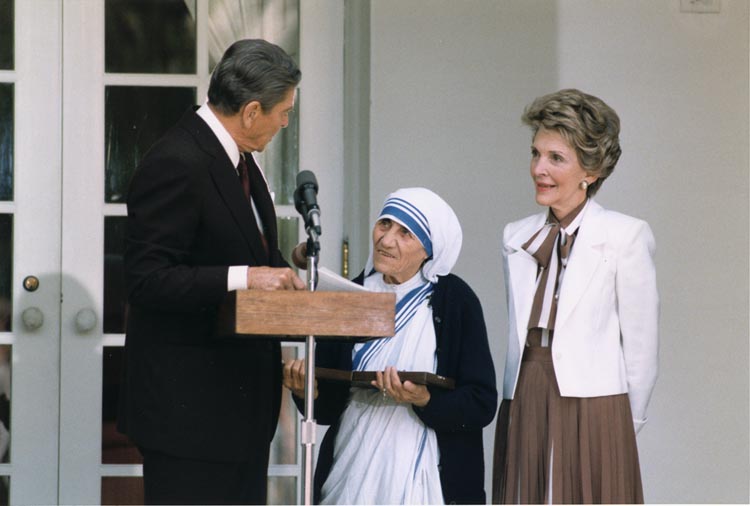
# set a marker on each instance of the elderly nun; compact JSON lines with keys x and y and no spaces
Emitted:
{"x":403,"y":443}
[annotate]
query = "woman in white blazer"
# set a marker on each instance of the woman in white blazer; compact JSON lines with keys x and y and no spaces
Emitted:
{"x":583,"y":321}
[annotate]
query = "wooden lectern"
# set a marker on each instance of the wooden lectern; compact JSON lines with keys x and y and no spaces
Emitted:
{"x":293,"y":315}
{"x":298,"y":315}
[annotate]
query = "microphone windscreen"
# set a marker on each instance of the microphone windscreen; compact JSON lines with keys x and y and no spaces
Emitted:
{"x":306,"y":177}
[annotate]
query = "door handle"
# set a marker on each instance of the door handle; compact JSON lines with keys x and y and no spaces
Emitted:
{"x":30,"y":283}
{"x":85,"y":320}
{"x":32,"y":317}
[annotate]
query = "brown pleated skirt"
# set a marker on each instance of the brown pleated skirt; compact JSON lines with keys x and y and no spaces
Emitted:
{"x":563,"y":450}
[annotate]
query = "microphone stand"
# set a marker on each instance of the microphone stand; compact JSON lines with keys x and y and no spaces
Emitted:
{"x":307,"y":432}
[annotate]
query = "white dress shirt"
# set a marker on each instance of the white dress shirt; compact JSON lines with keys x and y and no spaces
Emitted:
{"x":237,"y":275}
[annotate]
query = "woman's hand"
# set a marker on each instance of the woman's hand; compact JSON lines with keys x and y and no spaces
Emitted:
{"x":294,"y":378}
{"x":390,"y":384}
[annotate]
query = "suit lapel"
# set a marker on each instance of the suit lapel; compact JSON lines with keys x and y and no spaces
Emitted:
{"x":585,"y":259}
{"x":522,"y":269}
{"x":229,"y":188}
{"x":227,"y":183}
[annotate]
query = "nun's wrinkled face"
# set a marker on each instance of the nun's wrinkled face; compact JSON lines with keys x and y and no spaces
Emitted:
{"x":396,"y":253}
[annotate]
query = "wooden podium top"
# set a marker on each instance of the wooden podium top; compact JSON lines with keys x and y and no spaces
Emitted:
{"x":293,"y":315}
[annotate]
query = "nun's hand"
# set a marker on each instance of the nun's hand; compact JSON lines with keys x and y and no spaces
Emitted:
{"x":390,"y":384}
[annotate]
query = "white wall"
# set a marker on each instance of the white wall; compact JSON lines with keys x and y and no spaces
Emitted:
{"x":449,"y":80}
{"x":321,"y":97}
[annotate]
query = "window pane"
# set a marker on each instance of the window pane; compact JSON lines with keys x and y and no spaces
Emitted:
{"x":288,"y":235}
{"x":282,"y":490}
{"x":122,"y":490}
{"x":6,"y":34}
{"x":114,"y":275}
{"x":6,"y":141}
{"x":116,"y":447}
{"x":277,"y":22}
{"x":6,"y":272}
{"x":5,"y":388}
{"x":150,"y":37}
{"x":280,"y":160}
{"x":231,"y":20}
{"x":135,"y":117}
{"x":4,"y":490}
{"x":284,"y":444}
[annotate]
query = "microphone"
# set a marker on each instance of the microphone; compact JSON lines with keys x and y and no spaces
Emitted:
{"x":305,"y":200}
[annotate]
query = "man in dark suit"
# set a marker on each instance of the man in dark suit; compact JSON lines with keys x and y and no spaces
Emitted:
{"x":203,"y":409}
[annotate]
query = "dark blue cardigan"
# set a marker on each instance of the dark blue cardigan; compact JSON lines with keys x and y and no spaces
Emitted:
{"x":457,"y":416}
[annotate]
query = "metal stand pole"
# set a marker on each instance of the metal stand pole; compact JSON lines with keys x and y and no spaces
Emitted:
{"x":307,"y":432}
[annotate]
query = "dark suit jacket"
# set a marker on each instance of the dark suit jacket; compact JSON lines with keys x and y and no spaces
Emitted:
{"x":185,"y":391}
{"x":457,"y":416}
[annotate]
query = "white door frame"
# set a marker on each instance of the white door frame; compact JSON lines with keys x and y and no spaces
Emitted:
{"x":36,"y":240}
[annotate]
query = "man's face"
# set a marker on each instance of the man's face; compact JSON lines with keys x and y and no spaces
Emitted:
{"x":259,"y":127}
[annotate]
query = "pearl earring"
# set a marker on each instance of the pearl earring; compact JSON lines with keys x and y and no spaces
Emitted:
{"x":584,"y":185}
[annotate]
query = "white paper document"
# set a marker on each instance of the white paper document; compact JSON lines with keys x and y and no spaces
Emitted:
{"x":329,"y":281}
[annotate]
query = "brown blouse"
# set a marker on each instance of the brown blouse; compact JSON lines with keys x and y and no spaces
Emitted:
{"x":550,"y":246}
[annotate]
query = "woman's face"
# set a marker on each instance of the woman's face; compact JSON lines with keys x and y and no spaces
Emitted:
{"x":396,"y":252}
{"x":556,"y":173}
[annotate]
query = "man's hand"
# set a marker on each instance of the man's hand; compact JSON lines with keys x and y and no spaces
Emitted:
{"x":294,"y":378}
{"x":273,"y":278}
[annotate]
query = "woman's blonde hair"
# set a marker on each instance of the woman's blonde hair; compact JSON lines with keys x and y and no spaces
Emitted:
{"x":587,"y":124}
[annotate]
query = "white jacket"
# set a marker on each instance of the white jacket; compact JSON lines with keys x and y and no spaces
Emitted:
{"x":606,"y":329}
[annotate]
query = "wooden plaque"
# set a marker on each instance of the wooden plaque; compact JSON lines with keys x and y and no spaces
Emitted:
{"x":292,"y":315}
{"x":363,"y":378}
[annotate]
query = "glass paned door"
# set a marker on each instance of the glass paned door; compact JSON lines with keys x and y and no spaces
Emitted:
{"x":122,"y":99}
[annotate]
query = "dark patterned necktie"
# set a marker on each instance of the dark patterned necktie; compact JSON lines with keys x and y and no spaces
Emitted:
{"x":242,"y":170}
{"x":244,"y":179}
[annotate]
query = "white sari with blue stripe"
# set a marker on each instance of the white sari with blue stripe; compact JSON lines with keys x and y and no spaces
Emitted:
{"x":383,"y":453}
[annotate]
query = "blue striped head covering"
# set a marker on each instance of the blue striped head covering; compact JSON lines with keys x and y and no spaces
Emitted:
{"x":432,"y":221}
{"x":405,"y":213}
